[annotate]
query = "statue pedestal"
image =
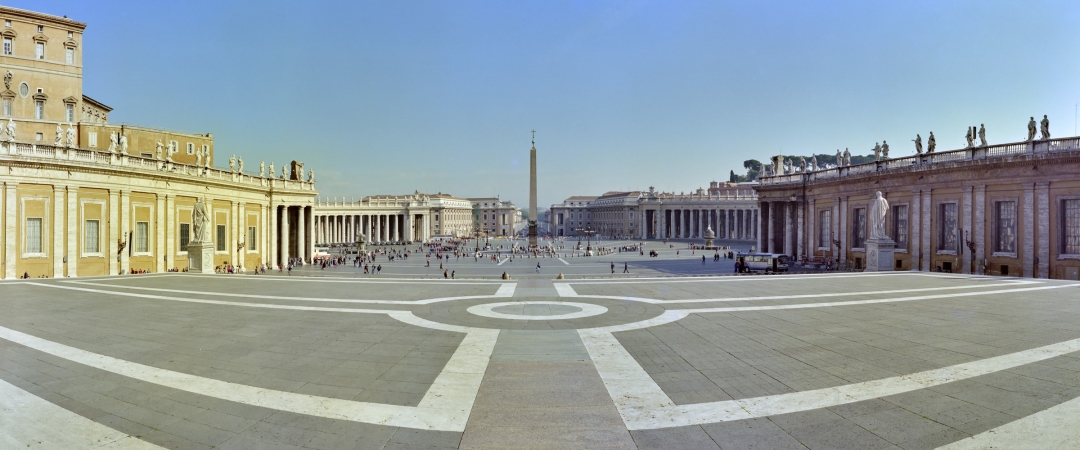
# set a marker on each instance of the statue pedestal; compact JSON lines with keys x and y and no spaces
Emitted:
{"x":200,"y":257}
{"x":879,"y":255}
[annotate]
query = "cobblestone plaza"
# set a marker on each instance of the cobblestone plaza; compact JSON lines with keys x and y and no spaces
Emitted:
{"x":658,"y":358}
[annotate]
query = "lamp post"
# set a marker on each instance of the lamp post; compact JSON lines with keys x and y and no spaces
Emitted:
{"x":588,"y":232}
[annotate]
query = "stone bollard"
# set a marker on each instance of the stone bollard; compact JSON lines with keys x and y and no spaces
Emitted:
{"x":505,"y":276}
{"x":559,"y":277}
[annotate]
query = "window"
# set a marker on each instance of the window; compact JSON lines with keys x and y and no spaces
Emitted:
{"x":39,"y":109}
{"x":1070,"y":227}
{"x":206,"y":149}
{"x":190,"y":148}
{"x":40,"y":28}
{"x":7,"y":23}
{"x":142,"y":230}
{"x":33,"y":235}
{"x":947,"y":239}
{"x":1005,"y":227}
{"x":221,"y":238}
{"x":858,"y":228}
{"x":7,"y":106}
{"x":173,"y":146}
{"x":39,"y":137}
{"x":900,"y":226}
{"x":185,"y":236}
{"x":69,"y":55}
{"x":93,"y":138}
{"x":825,"y":229}
{"x":252,"y":242}
{"x":70,"y":109}
{"x":24,"y":89}
{"x":8,"y":44}
{"x":39,"y":50}
{"x":90,"y":237}
{"x":631,"y":215}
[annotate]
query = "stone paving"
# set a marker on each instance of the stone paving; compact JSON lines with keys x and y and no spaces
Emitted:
{"x":336,"y":359}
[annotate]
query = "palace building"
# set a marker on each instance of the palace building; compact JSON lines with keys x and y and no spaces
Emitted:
{"x":83,"y":197}
{"x":1009,"y":210}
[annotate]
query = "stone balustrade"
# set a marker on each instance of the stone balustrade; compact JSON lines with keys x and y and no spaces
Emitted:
{"x":1046,"y":146}
{"x":88,"y":157}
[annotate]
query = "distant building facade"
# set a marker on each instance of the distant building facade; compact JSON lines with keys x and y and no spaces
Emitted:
{"x":386,"y":219}
{"x":496,"y":217}
{"x":731,"y":212}
{"x":1009,"y":210}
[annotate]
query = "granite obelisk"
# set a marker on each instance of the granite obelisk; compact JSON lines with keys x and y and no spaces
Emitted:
{"x":532,"y":194}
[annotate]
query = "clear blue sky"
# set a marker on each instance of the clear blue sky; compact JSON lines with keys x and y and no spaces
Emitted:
{"x":392,"y":97}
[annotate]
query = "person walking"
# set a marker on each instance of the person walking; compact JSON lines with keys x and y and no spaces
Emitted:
{"x":613,"y":267}
{"x":703,"y":259}
{"x":538,"y":267}
{"x":625,"y":268}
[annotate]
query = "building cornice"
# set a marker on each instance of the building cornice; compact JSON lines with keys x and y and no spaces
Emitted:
{"x":33,"y":16}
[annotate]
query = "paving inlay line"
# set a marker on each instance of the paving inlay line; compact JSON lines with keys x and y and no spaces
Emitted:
{"x":587,"y":310}
{"x":25,"y":417}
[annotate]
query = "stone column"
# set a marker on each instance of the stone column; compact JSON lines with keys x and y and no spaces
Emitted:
{"x":965,"y":222}
{"x":159,"y":237}
{"x":125,"y":230}
{"x":800,"y":231}
{"x":301,"y":234}
{"x":1042,"y":189}
{"x":240,"y":235}
{"x":927,"y":208}
{"x":811,"y":229}
{"x":789,"y":225}
{"x":286,"y":241}
{"x":978,"y":233}
{"x":309,"y":247}
{"x":58,"y":231}
{"x":771,"y":230}
{"x":915,"y":222}
{"x":10,"y":228}
{"x":762,"y":207}
{"x":114,"y":232}
{"x":843,"y":231}
{"x":75,"y":231}
{"x":1028,"y":257}
{"x":275,"y":234}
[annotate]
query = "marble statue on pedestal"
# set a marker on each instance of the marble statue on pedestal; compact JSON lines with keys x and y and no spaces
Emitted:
{"x":1031,"y":129}
{"x":285,"y":172}
{"x":239,"y":165}
{"x":847,"y":157}
{"x":880,"y":249}
{"x":113,"y":142}
{"x":123,"y":143}
{"x":970,"y":139}
{"x":159,"y":150}
{"x":198,"y":158}
{"x":918,"y":144}
{"x":271,"y":173}
{"x":839,"y":159}
{"x":311,"y":175}
{"x":930,"y":143}
{"x":59,"y":137}
{"x":206,"y":157}
{"x":232,"y":163}
{"x":1045,"y":127}
{"x":877,"y":152}
{"x":802,"y":164}
{"x":884,"y":150}
{"x":200,"y":248}
{"x":813,"y":163}
{"x":982,"y":135}
{"x":262,"y":169}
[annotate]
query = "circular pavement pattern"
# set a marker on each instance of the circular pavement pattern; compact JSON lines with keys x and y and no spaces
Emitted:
{"x":528,"y":310}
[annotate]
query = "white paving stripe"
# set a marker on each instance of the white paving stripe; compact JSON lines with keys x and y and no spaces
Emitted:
{"x":564,"y":261}
{"x":770,"y":278}
{"x":1053,"y":428}
{"x":446,"y":405}
{"x":376,"y":279}
{"x":28,"y":421}
{"x":565,"y":290}
{"x":504,"y":291}
{"x":643,"y":405}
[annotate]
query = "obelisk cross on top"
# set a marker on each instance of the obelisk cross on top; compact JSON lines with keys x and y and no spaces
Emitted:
{"x":532,"y":194}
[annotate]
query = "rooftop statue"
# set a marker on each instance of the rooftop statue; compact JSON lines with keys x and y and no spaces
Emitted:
{"x":232,"y":163}
{"x":239,"y":165}
{"x":982,"y":135}
{"x":884,"y":150}
{"x":970,"y":138}
{"x":1031,"y":129}
{"x":11,"y":129}
{"x":113,"y":139}
{"x":1045,"y":127}
{"x":262,"y":169}
{"x":70,"y":136}
{"x":877,"y":152}
{"x":839,"y":159}
{"x":813,"y":163}
{"x":159,"y":150}
{"x":847,"y":157}
{"x":311,"y":175}
{"x":59,"y":136}
{"x":123,"y":143}
{"x":930,"y":143}
{"x":918,"y":144}
{"x":271,"y":173}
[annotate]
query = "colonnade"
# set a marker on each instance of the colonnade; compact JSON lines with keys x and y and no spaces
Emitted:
{"x":691,"y":223}
{"x":293,"y":234}
{"x":343,"y":228}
